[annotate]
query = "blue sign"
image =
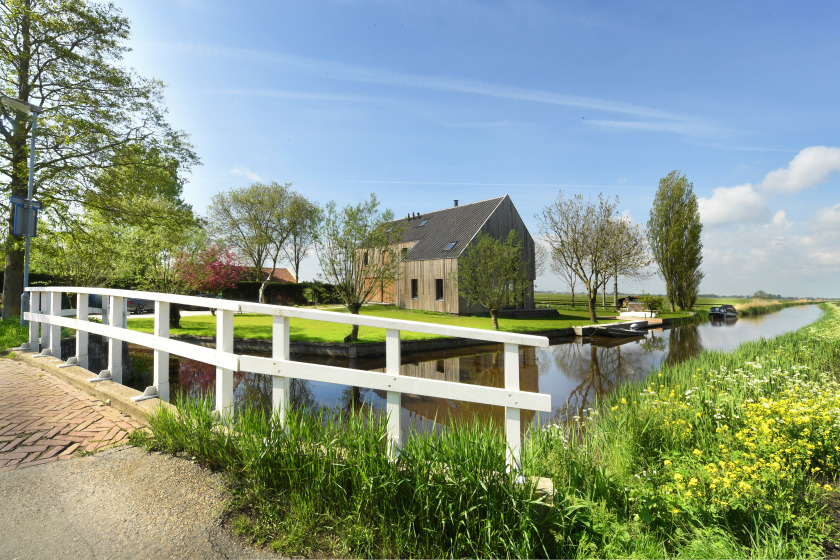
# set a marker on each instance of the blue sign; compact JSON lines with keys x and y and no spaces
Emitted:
{"x":26,"y":216}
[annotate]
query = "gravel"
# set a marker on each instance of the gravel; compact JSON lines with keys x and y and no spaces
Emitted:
{"x":119,"y":503}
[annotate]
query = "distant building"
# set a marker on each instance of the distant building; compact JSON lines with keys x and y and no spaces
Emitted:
{"x":431,"y":246}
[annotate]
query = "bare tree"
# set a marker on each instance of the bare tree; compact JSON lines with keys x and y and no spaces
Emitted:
{"x":627,"y":255}
{"x":579,"y":233}
{"x":565,"y":273}
{"x":254,"y":221}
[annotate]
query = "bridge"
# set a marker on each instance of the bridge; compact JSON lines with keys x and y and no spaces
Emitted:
{"x":46,"y":318}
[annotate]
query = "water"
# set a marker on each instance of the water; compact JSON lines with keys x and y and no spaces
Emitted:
{"x":573,"y":372}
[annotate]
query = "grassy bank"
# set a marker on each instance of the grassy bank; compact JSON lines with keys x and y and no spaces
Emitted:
{"x":725,"y":455}
{"x":259,"y":326}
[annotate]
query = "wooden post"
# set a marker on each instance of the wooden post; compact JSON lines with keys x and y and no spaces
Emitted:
{"x":115,"y":320}
{"x":82,"y":311}
{"x":35,"y":326}
{"x":393,"y":359}
{"x":224,"y":377}
{"x":280,"y":350}
{"x":513,"y":421}
{"x":161,"y":358}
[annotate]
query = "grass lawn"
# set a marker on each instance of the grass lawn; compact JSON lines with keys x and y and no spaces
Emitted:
{"x":259,"y":326}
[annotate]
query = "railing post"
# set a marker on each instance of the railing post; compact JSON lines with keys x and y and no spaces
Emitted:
{"x":393,"y":359}
{"x":53,"y":346}
{"x":280,"y":350}
{"x":161,"y":365}
{"x":35,"y":326}
{"x":224,"y":377}
{"x":115,"y":320}
{"x":82,"y":312}
{"x":513,"y":420}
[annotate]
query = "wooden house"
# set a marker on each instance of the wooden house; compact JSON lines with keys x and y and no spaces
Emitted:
{"x":432,"y":244}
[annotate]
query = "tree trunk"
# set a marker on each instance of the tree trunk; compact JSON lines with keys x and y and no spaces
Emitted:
{"x":593,"y":303}
{"x":174,"y":316}
{"x":615,"y":293}
{"x":12,"y":282}
{"x":494,"y":316}
{"x":354,"y":332}
{"x":604,"y":296}
{"x":573,"y":297}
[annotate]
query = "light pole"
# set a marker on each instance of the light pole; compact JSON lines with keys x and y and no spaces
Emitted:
{"x":27,"y":108}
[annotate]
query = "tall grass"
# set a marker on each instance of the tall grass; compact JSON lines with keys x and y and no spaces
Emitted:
{"x":729,"y":453}
{"x":721,"y":456}
{"x":12,"y":334}
{"x":323,"y":484}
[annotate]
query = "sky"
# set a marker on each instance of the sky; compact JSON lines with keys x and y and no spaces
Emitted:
{"x":424,"y":102}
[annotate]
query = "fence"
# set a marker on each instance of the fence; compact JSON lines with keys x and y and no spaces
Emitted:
{"x":46,"y":319}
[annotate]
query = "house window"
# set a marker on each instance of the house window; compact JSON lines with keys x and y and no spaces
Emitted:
{"x":439,"y":289}
{"x":449,"y":246}
{"x":366,"y":259}
{"x":414,"y":288}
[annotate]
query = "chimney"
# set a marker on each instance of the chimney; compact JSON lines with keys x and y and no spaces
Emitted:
{"x":456,"y":202}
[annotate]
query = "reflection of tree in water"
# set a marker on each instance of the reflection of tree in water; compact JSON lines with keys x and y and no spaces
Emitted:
{"x":683,"y":343}
{"x":598,"y":369}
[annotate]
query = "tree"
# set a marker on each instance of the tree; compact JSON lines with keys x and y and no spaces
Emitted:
{"x":674,"y":233}
{"x":353,"y":251}
{"x":560,"y":270}
{"x":208,"y":271}
{"x":491,"y":272}
{"x":627,"y":254}
{"x":304,"y":218}
{"x":254,"y":221}
{"x":64,"y":55}
{"x":580,"y":234}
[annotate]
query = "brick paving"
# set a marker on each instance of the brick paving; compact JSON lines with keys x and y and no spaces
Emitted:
{"x":45,"y":419}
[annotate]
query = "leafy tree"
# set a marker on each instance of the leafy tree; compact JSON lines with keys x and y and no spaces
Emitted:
{"x":304,"y":219}
{"x":491,"y":272}
{"x":64,"y":56}
{"x":353,"y":251}
{"x":580,"y":234}
{"x":254,"y":221}
{"x":674,"y":233}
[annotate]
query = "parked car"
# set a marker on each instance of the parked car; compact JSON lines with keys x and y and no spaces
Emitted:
{"x":138,"y":306}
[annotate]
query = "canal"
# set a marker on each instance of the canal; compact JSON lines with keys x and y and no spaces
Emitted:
{"x":573,"y":372}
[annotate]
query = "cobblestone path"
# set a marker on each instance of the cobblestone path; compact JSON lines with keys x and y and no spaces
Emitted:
{"x":44,"y":419}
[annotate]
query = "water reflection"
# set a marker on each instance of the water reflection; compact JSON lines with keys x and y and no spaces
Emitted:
{"x":574,"y":373}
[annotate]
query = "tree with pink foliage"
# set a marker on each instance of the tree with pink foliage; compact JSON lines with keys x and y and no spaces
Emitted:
{"x":211,"y":270}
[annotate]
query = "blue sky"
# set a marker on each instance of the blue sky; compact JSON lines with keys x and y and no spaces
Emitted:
{"x":426,"y":102}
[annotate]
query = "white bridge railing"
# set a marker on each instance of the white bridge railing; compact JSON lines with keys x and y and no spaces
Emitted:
{"x":46,"y":319}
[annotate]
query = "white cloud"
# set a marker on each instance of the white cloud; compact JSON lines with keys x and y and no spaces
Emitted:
{"x":811,"y":166}
{"x":828,"y":218}
{"x":729,"y":205}
{"x":245,"y":172}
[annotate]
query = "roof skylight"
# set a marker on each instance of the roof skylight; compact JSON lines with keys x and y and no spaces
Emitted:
{"x":449,"y":246}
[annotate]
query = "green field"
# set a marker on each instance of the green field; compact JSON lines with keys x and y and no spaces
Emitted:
{"x":259,"y":326}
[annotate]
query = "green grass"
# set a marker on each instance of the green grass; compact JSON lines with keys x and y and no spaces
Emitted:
{"x":12,"y":334}
{"x":727,"y":455}
{"x":259,"y":326}
{"x":322,"y":485}
{"x":724,"y":455}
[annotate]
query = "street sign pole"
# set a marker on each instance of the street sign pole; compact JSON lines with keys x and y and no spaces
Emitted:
{"x":24,"y":297}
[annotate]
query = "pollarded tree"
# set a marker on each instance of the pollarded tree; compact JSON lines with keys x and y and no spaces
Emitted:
{"x":254,"y":221}
{"x":353,"y":250}
{"x":580,"y":233}
{"x":674,"y":232}
{"x":64,"y":56}
{"x":491,"y":273}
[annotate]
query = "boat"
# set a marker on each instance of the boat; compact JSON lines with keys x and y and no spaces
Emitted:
{"x":613,"y":330}
{"x":725,"y":310}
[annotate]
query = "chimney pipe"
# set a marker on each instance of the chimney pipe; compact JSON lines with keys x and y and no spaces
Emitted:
{"x":456,"y":202}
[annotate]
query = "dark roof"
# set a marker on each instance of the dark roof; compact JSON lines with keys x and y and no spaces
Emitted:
{"x":458,"y":224}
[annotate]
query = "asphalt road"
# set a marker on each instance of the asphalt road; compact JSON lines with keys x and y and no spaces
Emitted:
{"x":119,"y":503}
